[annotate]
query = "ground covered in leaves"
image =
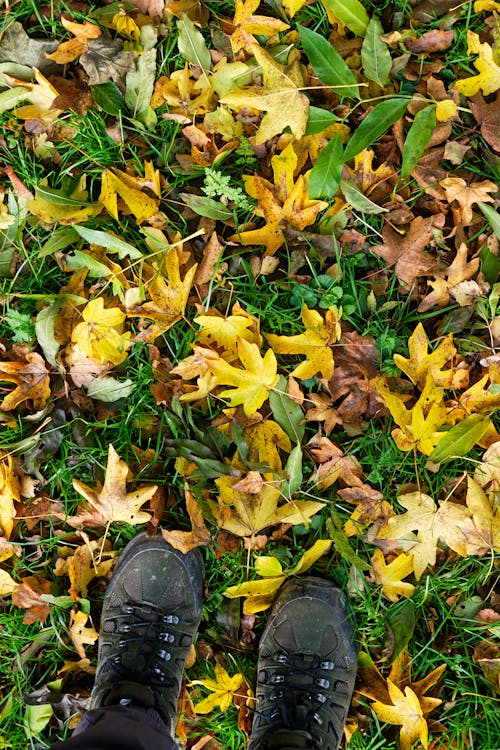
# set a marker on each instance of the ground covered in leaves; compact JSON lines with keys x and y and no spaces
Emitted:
{"x":249,"y":258}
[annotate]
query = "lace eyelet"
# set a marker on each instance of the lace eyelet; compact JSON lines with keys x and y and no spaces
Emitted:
{"x":328,"y":665}
{"x":323,"y":683}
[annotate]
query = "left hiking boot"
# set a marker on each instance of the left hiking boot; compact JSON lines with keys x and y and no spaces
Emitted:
{"x":151,"y":612}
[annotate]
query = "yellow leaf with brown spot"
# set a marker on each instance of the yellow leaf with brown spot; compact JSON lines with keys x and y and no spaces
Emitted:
{"x":315,"y":343}
{"x":73,"y":48}
{"x":284,"y":204}
{"x":390,"y":575}
{"x":80,"y":633}
{"x":246,"y":25}
{"x":264,"y":441}
{"x":111,"y":502}
{"x":84,"y":565}
{"x":28,"y":595}
{"x":100,"y":336}
{"x":199,"y":535}
{"x":184,"y":94}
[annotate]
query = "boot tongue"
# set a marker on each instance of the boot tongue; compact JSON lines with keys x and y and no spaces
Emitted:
{"x":289,"y":739}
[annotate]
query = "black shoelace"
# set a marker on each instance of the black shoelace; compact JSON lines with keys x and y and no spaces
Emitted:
{"x":146,"y":636}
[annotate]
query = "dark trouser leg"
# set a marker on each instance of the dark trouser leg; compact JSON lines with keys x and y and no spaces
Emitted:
{"x":124,"y":727}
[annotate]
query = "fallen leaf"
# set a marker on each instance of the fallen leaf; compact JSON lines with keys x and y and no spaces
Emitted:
{"x":111,"y":502}
{"x":315,"y":343}
{"x":485,"y":537}
{"x":199,"y":535}
{"x":184,"y":94}
{"x":41,"y":96}
{"x":10,"y":493}
{"x":449,"y":523}
{"x":487,"y":656}
{"x":168,"y":293}
{"x":435,"y":40}
{"x":450,"y":281}
{"x":251,"y":384}
{"x":246,"y":25}
{"x":7,"y":583}
{"x":81,"y":634}
{"x":27,"y":595}
{"x":390,"y":576}
{"x":334,"y":465}
{"x":32,"y":382}
{"x":488,"y":79}
{"x":264,"y":441}
{"x":405,"y":711}
{"x":106,"y":60}
{"x":407,"y":253}
{"x":84,"y":565}
{"x":101,"y":335}
{"x":284,"y":204}
{"x":421,"y":363}
{"x":222,"y":689}
{"x":486,"y":115}
{"x":279,"y":96}
{"x":17,"y":47}
{"x":131,"y":191}
{"x":76,"y":210}
{"x":456,"y":189}
{"x":260,"y":593}
{"x":73,"y":48}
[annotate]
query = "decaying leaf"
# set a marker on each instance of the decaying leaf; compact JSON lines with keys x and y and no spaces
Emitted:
{"x":27,"y":595}
{"x":199,"y":535}
{"x":80,"y":633}
{"x":32,"y":382}
{"x":131,"y":191}
{"x":467,"y":195}
{"x":449,"y":523}
{"x":111,"y":502}
{"x":246,"y":25}
{"x":73,"y":48}
{"x":88,"y":561}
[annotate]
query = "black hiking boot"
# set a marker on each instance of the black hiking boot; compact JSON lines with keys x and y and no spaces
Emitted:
{"x":306,"y":668}
{"x":151,"y":612}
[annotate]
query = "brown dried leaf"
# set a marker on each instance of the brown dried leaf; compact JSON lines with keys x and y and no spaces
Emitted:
{"x":407,"y":253}
{"x":435,"y":40}
{"x":27,"y":596}
{"x":32,"y":382}
{"x":486,"y":115}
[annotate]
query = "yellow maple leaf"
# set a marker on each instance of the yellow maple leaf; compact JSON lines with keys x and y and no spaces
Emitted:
{"x":279,"y":97}
{"x":421,"y":363}
{"x":84,"y":565}
{"x":488,"y":79}
{"x":32,"y":382}
{"x":199,"y":534}
{"x":169,"y":293}
{"x":286,"y":203}
{"x":264,"y":440}
{"x":184,"y":94}
{"x":253,"y":383}
{"x":10,"y":492}
{"x":225,"y":331}
{"x":80,"y":633}
{"x":222,"y":688}
{"x":111,"y":502}
{"x":260,"y":593}
{"x":418,"y":426}
{"x":406,"y":712}
{"x":365,"y":176}
{"x":315,"y":343}
{"x":246,"y":25}
{"x":485,"y":518}
{"x":131,"y":191}
{"x":73,"y":48}
{"x":246,"y":513}
{"x":7,"y":583}
{"x":100,"y":336}
{"x":449,"y":523}
{"x":390,"y":576}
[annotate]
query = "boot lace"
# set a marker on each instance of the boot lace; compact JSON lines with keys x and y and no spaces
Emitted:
{"x":298,"y":687}
{"x":148,"y":638}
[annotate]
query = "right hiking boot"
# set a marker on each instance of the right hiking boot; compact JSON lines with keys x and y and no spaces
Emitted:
{"x":151,"y":612}
{"x":306,"y":668}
